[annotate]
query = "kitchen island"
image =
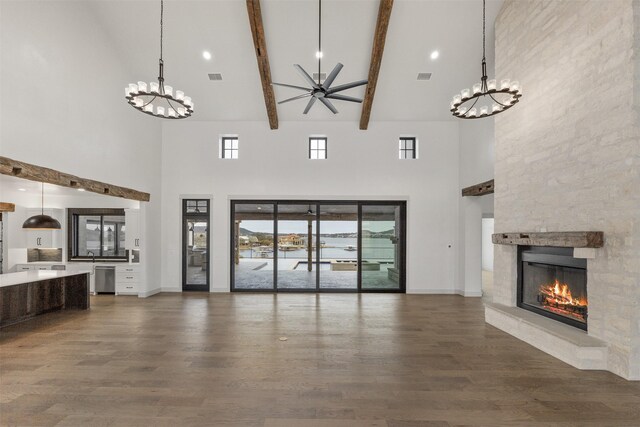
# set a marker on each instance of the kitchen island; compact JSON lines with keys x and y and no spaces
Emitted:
{"x":28,"y":294}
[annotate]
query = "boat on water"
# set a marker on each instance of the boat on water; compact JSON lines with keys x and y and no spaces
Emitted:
{"x":350,"y":248}
{"x":286,"y":247}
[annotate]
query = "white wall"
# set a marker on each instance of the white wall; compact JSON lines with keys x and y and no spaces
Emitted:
{"x":274,"y":164}
{"x":62,"y":103}
{"x":476,"y":166}
{"x":487,"y":244}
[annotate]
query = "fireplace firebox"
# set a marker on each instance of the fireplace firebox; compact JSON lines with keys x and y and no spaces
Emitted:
{"x":553,"y":283}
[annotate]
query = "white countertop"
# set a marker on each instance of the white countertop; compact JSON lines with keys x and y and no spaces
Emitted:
{"x":22,"y":277}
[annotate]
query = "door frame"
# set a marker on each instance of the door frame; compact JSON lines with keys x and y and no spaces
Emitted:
{"x":317,"y":203}
{"x":186,"y":217}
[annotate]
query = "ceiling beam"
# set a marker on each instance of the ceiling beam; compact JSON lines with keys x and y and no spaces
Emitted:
{"x":379,"y":38}
{"x":260,"y":44}
{"x":7,"y":207}
{"x":31,"y":172}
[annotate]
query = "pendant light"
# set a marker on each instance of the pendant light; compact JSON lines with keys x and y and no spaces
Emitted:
{"x":156,"y":99}
{"x":486,"y":98}
{"x":42,"y":221}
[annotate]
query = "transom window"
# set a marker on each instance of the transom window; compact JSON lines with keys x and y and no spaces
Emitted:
{"x":408,"y":148}
{"x":196,"y":206}
{"x":317,"y":148}
{"x":229,"y":147}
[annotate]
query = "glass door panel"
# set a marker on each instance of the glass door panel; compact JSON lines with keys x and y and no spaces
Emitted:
{"x":381,"y":247}
{"x":253,"y":246}
{"x":296,"y":246}
{"x":338,"y":246}
{"x":195,"y":250}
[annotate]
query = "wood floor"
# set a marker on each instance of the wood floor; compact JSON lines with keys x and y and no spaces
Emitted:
{"x":349,"y":360}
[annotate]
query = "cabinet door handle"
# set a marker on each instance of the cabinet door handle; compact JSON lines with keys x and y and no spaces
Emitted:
{"x":38,"y":241}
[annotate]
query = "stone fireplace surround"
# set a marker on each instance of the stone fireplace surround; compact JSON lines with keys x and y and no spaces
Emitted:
{"x":569,"y":344}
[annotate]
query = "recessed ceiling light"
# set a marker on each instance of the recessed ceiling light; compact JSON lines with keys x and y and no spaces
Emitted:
{"x":22,"y":189}
{"x":318,"y":54}
{"x":206,"y":55}
{"x":435,"y":54}
{"x":80,"y":189}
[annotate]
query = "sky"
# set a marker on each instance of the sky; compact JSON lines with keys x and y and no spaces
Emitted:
{"x":326,"y":227}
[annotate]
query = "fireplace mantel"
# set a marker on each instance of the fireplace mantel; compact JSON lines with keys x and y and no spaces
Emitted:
{"x":562,"y":239}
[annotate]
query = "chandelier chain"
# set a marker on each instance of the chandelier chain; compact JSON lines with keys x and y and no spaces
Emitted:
{"x":161,"y":26}
{"x":483,"y":28}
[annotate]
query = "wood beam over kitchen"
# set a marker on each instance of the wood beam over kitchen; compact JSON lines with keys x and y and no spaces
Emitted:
{"x":379,"y":38}
{"x":7,"y":207}
{"x":260,"y":44}
{"x":478,"y":189}
{"x":51,"y":176}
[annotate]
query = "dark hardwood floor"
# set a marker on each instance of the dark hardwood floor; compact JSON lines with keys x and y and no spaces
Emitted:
{"x":349,"y":360}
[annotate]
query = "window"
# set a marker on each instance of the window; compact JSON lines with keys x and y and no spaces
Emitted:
{"x":408,"y":147}
{"x":196,"y":206}
{"x":98,"y":233}
{"x":317,"y":148}
{"x":229,"y":147}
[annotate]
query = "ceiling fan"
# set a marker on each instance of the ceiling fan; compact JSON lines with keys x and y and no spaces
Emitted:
{"x":322,"y":90}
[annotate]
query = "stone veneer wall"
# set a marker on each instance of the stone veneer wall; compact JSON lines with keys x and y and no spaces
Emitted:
{"x":568,"y":156}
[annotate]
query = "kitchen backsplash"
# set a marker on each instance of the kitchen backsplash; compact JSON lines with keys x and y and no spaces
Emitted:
{"x":44,"y":255}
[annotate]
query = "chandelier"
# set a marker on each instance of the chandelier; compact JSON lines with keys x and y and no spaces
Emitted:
{"x":486,"y":98}
{"x":158,"y":99}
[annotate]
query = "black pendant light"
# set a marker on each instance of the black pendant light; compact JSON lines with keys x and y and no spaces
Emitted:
{"x":42,"y":221}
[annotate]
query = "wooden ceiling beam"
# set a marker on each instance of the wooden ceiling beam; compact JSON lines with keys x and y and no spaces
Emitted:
{"x":379,"y":38}
{"x":51,"y":176}
{"x":260,"y":44}
{"x":7,"y":207}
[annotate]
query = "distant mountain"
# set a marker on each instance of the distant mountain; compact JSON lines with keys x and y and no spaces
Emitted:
{"x":245,"y":232}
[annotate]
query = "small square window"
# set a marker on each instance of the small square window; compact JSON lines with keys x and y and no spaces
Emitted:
{"x":317,"y":148}
{"x":408,"y":148}
{"x":229,"y":147}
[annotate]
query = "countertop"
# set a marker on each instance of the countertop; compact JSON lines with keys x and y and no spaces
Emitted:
{"x":22,"y":277}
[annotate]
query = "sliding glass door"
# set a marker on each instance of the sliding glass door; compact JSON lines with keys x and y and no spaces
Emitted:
{"x":382,"y":246}
{"x":317,"y":246}
{"x":339,"y":246}
{"x":253,"y":246}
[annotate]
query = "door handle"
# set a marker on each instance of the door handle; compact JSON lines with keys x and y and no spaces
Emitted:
{"x":38,"y":241}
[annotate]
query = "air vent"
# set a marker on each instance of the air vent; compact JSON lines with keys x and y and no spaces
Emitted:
{"x":215,"y":76}
{"x":424,"y":76}
{"x":323,"y":76}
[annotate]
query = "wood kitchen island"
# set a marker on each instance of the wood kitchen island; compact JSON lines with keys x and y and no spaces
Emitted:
{"x":28,"y":294}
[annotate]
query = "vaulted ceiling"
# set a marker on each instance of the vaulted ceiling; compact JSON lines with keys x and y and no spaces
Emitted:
{"x":453,"y":27}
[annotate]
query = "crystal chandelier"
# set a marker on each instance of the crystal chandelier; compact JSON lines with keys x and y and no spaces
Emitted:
{"x":157,"y":99}
{"x":486,"y":98}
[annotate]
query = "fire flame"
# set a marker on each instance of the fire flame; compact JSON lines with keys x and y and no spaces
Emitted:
{"x":559,"y":294}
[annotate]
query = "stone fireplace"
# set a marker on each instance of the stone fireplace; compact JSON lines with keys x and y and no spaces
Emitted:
{"x":567,"y":158}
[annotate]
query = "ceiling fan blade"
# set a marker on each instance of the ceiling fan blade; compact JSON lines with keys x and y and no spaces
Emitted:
{"x":306,"y":76}
{"x":332,"y":76}
{"x":329,"y":105}
{"x":344,"y":97}
{"x":347,"y":86}
{"x":291,"y":86}
{"x":304,"y":95}
{"x":309,"y":105}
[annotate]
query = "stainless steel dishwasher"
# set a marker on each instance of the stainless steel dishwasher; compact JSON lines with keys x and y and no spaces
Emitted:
{"x":105,"y":279}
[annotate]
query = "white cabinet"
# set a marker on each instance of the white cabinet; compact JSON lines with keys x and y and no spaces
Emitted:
{"x":127,"y":279}
{"x":25,"y":267}
{"x":132,"y":234}
{"x":44,"y":238}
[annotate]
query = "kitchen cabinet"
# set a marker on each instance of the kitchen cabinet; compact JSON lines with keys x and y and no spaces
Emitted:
{"x":127,"y":279}
{"x":44,"y":238}
{"x":132,"y":234}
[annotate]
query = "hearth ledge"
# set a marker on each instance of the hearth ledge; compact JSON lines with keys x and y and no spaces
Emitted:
{"x":564,"y":342}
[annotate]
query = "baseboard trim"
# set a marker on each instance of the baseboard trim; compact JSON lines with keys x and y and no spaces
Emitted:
{"x":433,"y":291}
{"x":163,"y":289}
